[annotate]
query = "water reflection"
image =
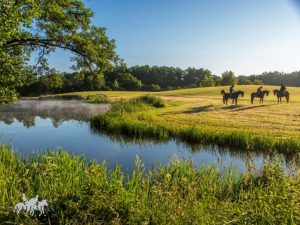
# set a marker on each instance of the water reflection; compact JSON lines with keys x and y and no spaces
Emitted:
{"x":40,"y":125}
{"x":220,"y":153}
{"x":58,"y":111}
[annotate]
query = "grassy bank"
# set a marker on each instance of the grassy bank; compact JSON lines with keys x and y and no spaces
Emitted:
{"x":135,"y":118}
{"x":180,"y":193}
{"x":198,"y":115}
{"x":203,"y":108}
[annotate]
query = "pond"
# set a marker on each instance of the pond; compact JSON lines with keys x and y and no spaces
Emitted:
{"x":33,"y":126}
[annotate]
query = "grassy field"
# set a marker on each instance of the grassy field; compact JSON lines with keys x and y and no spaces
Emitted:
{"x":203,"y":109}
{"x":180,"y":193}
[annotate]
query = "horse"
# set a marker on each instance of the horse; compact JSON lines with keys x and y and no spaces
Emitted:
{"x":259,"y":95}
{"x":234,"y":96}
{"x":41,"y":206}
{"x":281,"y":94}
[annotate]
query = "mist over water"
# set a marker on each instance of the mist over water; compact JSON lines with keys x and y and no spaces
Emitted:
{"x":56,"y":110}
{"x":35,"y":126}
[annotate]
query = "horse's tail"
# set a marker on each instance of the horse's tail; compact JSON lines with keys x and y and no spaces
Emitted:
{"x":252,"y":98}
{"x":222,"y":92}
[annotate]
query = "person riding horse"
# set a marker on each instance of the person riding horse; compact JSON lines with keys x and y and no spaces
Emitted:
{"x":231,"y":90}
{"x":260,"y":93}
{"x":282,"y":93}
{"x":259,"y":90}
{"x":282,"y":88}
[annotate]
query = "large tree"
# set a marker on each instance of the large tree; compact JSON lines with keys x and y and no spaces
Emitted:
{"x":41,"y":26}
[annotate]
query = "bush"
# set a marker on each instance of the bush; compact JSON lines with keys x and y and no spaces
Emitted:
{"x":152,"y":87}
{"x":154,"y":101}
{"x":258,"y":82}
{"x":97,"y":99}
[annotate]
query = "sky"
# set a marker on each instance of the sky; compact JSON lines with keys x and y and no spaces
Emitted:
{"x":245,"y":36}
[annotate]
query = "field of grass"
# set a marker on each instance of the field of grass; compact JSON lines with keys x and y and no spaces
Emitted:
{"x":203,"y":108}
{"x":180,"y":193}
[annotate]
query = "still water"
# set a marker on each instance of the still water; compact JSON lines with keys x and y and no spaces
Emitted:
{"x":34,"y":126}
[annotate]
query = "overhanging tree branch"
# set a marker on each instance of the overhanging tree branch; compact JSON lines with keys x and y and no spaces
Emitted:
{"x":47,"y":43}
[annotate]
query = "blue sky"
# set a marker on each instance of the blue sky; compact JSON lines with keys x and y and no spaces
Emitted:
{"x":246,"y":36}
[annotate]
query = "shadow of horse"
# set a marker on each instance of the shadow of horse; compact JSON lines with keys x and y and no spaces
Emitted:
{"x":234,"y":96}
{"x":198,"y":109}
{"x":250,"y":107}
{"x":259,"y":95}
{"x":281,"y":94}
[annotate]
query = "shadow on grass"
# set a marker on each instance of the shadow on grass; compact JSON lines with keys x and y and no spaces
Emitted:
{"x":198,"y":109}
{"x":242,"y":108}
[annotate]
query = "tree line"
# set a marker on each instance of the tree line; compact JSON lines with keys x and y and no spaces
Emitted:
{"x":42,"y":26}
{"x":145,"y":78}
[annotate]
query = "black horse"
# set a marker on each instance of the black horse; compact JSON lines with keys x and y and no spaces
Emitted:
{"x":281,"y":94}
{"x":259,"y":95}
{"x":234,"y":96}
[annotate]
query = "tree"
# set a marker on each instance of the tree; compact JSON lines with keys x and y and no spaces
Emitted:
{"x":42,"y":26}
{"x":207,"y":81}
{"x":129,"y":82}
{"x":52,"y":82}
{"x":247,"y":82}
{"x":115,"y":85}
{"x":228,"y":78}
{"x":258,"y":82}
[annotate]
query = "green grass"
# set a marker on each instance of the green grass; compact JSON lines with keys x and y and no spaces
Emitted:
{"x":180,"y":193}
{"x":203,"y":108}
{"x":133,"y":118}
{"x":198,"y":115}
{"x":154,"y":101}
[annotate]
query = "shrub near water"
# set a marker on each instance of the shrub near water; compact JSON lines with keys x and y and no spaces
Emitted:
{"x":151,"y":100}
{"x":179,"y":193}
{"x":97,"y":99}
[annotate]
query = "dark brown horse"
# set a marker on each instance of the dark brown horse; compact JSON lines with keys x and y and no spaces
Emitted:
{"x":281,"y":94}
{"x":259,"y":95}
{"x":234,"y":96}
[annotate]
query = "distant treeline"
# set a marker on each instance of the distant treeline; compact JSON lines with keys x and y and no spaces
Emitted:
{"x":146,"y":78}
{"x":273,"y":78}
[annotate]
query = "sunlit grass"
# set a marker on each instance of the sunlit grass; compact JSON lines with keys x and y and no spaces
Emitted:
{"x":202,"y":108}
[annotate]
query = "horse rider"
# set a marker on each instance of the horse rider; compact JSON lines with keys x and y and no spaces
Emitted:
{"x":231,"y":90}
{"x":282,"y":88}
{"x":259,"y":90}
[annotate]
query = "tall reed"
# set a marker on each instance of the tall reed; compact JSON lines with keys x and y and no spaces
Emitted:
{"x":180,"y":193}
